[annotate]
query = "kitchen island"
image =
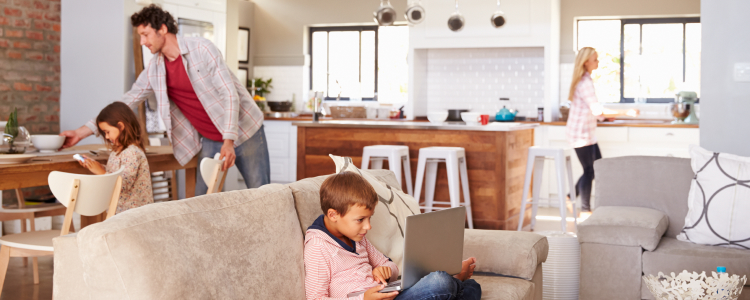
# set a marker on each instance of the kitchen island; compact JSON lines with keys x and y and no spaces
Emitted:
{"x":495,"y":155}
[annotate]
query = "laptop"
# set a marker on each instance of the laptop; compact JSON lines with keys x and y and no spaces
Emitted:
{"x":433,"y":241}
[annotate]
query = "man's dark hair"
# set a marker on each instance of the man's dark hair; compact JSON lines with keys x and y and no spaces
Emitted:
{"x":154,"y":16}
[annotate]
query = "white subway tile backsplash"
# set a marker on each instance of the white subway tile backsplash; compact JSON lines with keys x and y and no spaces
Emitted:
{"x":475,"y":79}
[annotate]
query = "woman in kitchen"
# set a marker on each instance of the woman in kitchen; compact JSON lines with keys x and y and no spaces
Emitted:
{"x":585,"y":110}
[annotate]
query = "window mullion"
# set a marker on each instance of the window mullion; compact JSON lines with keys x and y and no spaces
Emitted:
{"x":684,"y":28}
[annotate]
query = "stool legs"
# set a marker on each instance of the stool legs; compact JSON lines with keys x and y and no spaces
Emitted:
{"x":430,"y":181}
{"x":451,"y":165}
{"x":535,"y":166}
{"x":365,"y":161}
{"x":538,"y":169}
{"x":559,"y":165}
{"x":407,"y":170}
{"x":421,"y":162}
{"x":394,"y":164}
{"x":572,"y":187}
{"x":465,"y":188}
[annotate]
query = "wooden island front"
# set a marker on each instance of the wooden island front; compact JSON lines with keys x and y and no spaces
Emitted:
{"x":495,"y":154}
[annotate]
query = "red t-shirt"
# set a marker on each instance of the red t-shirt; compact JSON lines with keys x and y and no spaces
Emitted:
{"x":180,"y":91}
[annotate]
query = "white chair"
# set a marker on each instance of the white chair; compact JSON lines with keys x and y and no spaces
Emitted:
{"x":212,"y":174}
{"x":396,"y":155}
{"x":87,"y":195}
{"x":23,"y":213}
{"x":535,"y":163}
{"x":455,"y":163}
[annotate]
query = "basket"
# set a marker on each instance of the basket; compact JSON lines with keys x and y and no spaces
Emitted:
{"x":348,"y":112}
{"x":695,"y":286}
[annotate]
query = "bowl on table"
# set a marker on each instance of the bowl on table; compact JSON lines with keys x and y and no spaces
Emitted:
{"x":437,"y":117}
{"x":47,"y":143}
{"x":471,"y":118}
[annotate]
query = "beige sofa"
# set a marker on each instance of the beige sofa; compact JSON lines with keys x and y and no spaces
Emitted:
{"x":246,"y":245}
{"x":641,"y":208}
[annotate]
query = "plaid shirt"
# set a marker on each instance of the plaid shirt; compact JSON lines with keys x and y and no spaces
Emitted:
{"x":226,"y":100}
{"x":581,"y":126}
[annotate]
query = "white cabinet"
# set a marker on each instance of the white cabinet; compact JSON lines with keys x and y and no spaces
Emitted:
{"x":614,"y":142}
{"x":281,"y":139}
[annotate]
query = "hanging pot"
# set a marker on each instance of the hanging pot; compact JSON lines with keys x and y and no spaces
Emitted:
{"x":385,"y":15}
{"x":498,"y":18}
{"x":415,"y":13}
{"x":456,"y":21}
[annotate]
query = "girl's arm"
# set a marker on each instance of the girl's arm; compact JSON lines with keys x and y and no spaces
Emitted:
{"x":586,"y":91}
{"x":93,"y":166}
{"x":130,"y":159}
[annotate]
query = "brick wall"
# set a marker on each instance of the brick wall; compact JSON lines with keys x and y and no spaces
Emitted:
{"x":30,"y":63}
{"x":30,"y":68}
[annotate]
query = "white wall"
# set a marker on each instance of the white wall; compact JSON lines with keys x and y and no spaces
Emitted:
{"x":476,"y":78}
{"x":530,"y":23}
{"x":725,"y":103}
{"x":96,"y":58}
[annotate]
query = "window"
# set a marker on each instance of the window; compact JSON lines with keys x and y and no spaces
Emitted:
{"x":367,"y":62}
{"x":643,"y":59}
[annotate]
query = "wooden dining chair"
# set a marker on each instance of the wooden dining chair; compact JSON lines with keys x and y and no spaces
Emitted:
{"x":87,"y":195}
{"x":212,"y":174}
{"x":23,"y":213}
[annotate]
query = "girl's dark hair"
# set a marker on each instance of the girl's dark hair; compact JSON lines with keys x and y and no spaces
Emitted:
{"x":130,"y":134}
{"x":154,"y":16}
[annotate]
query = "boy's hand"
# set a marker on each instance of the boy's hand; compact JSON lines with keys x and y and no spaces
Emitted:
{"x":374,"y":294}
{"x":382,"y":274}
{"x":93,"y":166}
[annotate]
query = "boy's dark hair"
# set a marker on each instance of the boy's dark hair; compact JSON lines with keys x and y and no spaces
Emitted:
{"x":154,"y":16}
{"x":344,"y":190}
{"x":131,"y":131}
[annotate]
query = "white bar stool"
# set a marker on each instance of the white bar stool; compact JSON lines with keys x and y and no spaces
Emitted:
{"x":535,"y":162}
{"x":455,"y":161}
{"x":395,"y":154}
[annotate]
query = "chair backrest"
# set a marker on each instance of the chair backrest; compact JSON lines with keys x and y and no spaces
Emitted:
{"x":660,"y":183}
{"x":212,"y":174}
{"x":94,"y":191}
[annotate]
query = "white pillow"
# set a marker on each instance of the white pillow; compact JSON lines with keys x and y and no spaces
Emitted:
{"x":719,"y":200}
{"x":389,"y":219}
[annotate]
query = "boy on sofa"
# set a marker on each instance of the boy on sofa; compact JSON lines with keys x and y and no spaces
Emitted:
{"x":339,"y":259}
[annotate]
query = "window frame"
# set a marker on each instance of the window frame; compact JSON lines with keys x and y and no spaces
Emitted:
{"x":642,"y":21}
{"x":328,"y":29}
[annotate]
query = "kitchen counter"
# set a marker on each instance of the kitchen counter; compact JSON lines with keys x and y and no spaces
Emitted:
{"x":384,"y":124}
{"x":495,"y":156}
{"x":628,"y":123}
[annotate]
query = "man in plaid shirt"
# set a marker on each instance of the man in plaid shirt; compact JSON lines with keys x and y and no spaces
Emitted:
{"x":204,"y":107}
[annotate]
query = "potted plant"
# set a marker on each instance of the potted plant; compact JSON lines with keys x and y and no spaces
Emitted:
{"x":14,"y":138}
{"x":260,"y":88}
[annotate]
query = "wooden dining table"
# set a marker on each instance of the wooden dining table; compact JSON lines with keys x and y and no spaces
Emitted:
{"x":35,"y":171}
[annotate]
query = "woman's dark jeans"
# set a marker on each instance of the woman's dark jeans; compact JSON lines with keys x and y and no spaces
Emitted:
{"x":587,"y":155}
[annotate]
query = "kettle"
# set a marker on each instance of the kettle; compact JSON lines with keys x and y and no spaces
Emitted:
{"x":505,"y":114}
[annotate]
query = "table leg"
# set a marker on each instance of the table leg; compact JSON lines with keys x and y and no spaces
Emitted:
{"x":22,"y":204}
{"x":190,"y":182}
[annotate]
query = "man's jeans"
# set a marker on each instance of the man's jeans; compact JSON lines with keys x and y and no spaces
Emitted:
{"x":441,"y":286}
{"x":252,"y":161}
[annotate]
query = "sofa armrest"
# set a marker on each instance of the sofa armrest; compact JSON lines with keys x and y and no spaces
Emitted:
{"x":67,"y":282}
{"x":624,"y":226}
{"x":509,"y":253}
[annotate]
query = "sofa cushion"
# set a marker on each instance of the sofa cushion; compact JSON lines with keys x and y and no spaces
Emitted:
{"x":389,"y":220}
{"x":660,"y":183}
{"x":675,"y":256}
{"x":505,"y":288}
{"x":718,"y":201}
{"x":306,"y":194}
{"x":218,"y":246}
{"x":624,"y":226}
{"x":509,"y":253}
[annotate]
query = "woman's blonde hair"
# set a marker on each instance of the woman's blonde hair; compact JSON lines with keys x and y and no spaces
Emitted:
{"x":583,"y":55}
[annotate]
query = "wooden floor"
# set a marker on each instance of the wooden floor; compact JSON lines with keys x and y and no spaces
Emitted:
{"x":19,"y":282}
